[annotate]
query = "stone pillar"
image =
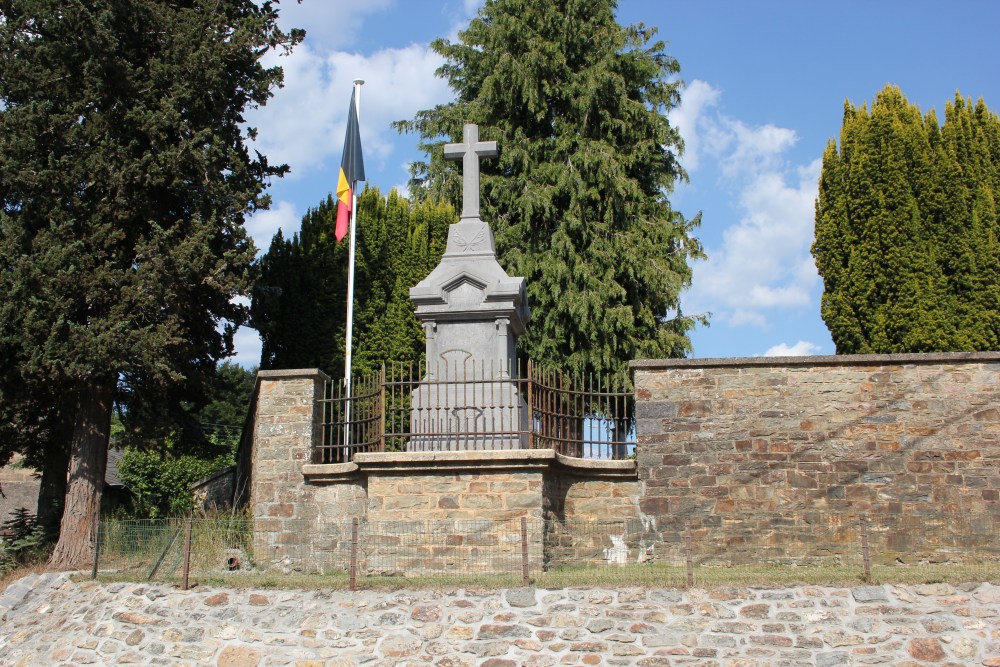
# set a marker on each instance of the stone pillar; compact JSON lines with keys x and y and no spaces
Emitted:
{"x":286,"y":428}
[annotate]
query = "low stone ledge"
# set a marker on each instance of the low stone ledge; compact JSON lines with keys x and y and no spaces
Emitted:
{"x":292,"y":374}
{"x":599,"y":467}
{"x":499,"y":459}
{"x":509,"y":459}
{"x":818,"y":360}
{"x":328,"y":472}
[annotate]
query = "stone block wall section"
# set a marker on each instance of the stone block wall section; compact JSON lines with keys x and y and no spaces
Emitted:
{"x":904,"y":435}
{"x":292,"y":499}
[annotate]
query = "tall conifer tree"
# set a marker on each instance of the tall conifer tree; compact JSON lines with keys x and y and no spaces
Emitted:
{"x":124,"y":182}
{"x":906,"y":228}
{"x":578,"y":197}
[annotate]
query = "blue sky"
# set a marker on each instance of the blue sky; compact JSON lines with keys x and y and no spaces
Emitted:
{"x":765,"y":84}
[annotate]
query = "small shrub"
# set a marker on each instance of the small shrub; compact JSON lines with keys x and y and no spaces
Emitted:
{"x":161,"y":486}
{"x":25,"y":542}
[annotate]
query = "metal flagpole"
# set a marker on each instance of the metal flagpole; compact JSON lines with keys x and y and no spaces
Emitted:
{"x":350,"y":279}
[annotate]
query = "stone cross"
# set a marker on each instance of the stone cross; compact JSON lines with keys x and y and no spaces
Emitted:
{"x":469,"y":152}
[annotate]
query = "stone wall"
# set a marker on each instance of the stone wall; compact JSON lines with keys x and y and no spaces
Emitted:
{"x":18,"y":489}
{"x":215,"y":492}
{"x":792,"y":448}
{"x":422,"y":509}
{"x":594,"y":520}
{"x":150,"y":624}
{"x":435,"y":495}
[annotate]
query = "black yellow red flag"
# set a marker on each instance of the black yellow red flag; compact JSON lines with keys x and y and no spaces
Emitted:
{"x":352,"y":170}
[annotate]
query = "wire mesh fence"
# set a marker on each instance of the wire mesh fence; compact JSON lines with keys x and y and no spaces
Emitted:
{"x":758,"y":548}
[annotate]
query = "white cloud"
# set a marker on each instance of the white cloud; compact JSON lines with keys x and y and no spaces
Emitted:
{"x":739,"y":148}
{"x":696,"y":99}
{"x":334,"y":23}
{"x":304,"y":124}
{"x":742,"y":316}
{"x":763,"y":260}
{"x":753,"y":149}
{"x":247,"y":345}
{"x":263,"y":225}
{"x":801,"y":349}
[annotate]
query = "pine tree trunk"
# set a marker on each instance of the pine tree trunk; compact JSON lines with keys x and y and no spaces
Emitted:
{"x":85,"y":482}
{"x":52,"y":489}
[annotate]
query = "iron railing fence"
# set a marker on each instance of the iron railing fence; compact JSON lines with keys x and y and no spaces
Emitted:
{"x":480,"y":406}
{"x":809,"y":547}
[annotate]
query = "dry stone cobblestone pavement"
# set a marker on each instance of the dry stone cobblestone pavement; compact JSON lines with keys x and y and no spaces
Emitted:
{"x":51,"y":619}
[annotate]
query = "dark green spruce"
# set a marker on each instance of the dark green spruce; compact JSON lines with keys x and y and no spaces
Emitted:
{"x":578,"y":199}
{"x":907,"y":228}
{"x":125,"y":181}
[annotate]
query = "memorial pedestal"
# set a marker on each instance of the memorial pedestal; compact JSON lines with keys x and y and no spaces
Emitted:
{"x":466,"y":415}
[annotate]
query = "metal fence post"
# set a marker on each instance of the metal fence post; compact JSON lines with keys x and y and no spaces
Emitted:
{"x":531,"y":416}
{"x":187,"y":555}
{"x":865,"y":557}
{"x":687,"y":557}
{"x":354,"y":554}
{"x":381,"y":393}
{"x":97,"y":547}
{"x":524,"y":551}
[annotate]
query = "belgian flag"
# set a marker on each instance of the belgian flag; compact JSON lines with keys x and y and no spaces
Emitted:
{"x":352,"y":170}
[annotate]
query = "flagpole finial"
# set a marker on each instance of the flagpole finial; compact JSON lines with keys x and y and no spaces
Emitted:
{"x":359,"y":82}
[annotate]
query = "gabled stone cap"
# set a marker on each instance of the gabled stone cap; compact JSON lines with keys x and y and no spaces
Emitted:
{"x":470,"y":260}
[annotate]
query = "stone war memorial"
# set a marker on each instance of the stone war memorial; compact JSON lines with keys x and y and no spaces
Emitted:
{"x":471,"y":443}
{"x":472,"y":313}
{"x":473,"y":463}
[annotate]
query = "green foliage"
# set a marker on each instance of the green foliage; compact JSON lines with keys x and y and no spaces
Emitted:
{"x":221,"y":419}
{"x":204,"y":429}
{"x":26,"y":542}
{"x":161,"y":485}
{"x":230,"y":396}
{"x":160,"y":465}
{"x":578,"y":197}
{"x":299,"y":302}
{"x":907,"y":228}
{"x":124,"y":183}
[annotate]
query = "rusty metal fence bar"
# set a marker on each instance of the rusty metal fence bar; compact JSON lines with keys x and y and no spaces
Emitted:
{"x":476,"y":406}
{"x":355,"y":430}
{"x":765,"y":548}
{"x":585,"y":418}
{"x":472,"y":406}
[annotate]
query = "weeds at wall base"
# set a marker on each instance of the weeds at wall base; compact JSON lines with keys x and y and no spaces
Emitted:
{"x":646,"y":576}
{"x":240,"y":553}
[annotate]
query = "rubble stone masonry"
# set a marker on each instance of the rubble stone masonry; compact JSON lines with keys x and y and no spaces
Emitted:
{"x":903,"y":436}
{"x":152,"y":624}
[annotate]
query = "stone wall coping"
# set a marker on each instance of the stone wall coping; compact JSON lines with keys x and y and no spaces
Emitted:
{"x":818,"y":360}
{"x":596,"y":465}
{"x":469,"y":456}
{"x":466,"y":461}
{"x":292,"y":374}
{"x":228,"y":470}
{"x":332,"y":471}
